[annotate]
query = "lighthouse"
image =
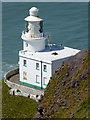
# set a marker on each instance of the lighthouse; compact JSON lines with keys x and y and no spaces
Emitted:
{"x":33,"y":37}
{"x":37,"y":61}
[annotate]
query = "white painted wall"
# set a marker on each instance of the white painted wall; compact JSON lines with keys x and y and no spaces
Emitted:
{"x":35,"y":45}
{"x":32,"y":72}
{"x":47,"y":74}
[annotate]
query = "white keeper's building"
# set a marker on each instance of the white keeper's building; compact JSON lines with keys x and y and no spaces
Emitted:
{"x":37,"y":61}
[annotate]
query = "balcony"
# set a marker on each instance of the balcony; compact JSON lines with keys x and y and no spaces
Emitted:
{"x":28,"y":36}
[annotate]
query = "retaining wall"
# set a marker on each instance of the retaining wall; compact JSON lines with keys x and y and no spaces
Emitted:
{"x":23,"y":90}
{"x":11,"y":73}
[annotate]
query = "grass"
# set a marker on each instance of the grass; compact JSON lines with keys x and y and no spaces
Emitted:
{"x":83,"y":109}
{"x":76,"y":97}
{"x":17,"y":106}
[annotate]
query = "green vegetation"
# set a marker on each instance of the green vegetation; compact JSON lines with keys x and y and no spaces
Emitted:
{"x":17,"y":106}
{"x":82,"y":110}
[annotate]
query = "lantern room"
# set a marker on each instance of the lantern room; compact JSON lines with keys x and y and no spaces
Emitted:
{"x":33,"y":36}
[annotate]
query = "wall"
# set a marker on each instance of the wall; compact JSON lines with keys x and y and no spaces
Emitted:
{"x":31,"y":71}
{"x":46,"y":74}
{"x":11,"y":73}
{"x":24,"y":90}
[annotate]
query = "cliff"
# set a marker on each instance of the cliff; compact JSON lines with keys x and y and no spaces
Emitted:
{"x":66,"y":95}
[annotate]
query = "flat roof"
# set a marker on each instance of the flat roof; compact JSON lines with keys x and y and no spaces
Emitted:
{"x":51,"y":53}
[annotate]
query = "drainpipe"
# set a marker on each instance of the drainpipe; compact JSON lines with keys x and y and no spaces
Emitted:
{"x":41,"y":74}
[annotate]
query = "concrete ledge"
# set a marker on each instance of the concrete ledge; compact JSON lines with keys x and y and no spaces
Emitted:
{"x":11,"y":73}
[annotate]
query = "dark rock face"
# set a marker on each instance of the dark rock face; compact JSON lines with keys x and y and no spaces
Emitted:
{"x":67,"y":88}
{"x":40,"y":110}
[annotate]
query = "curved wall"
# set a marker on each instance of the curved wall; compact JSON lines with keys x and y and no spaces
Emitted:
{"x":24,"y":90}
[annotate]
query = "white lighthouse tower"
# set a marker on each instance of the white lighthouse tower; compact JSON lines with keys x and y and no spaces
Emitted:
{"x":37,"y":61}
{"x":33,"y":38}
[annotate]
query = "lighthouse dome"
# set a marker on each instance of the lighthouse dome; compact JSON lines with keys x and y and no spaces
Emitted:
{"x":33,"y":11}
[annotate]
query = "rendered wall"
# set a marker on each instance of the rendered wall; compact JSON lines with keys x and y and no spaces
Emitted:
{"x":46,"y":74}
{"x":32,"y":72}
{"x":11,"y":73}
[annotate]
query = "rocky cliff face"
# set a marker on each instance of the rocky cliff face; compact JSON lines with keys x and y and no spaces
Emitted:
{"x":66,"y":95}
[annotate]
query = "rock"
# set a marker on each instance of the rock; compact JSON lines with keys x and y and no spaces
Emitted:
{"x":64,"y":104}
{"x":63,"y":107}
{"x":78,"y":92}
{"x":84,"y":77}
{"x":36,"y":116}
{"x":64,"y":82}
{"x":78,"y":100}
{"x":61,"y":100}
{"x":54,"y":107}
{"x":40,"y":110}
{"x":13,"y":92}
{"x":82,"y":62}
{"x":41,"y":96}
{"x":67,"y":74}
{"x":69,"y":87}
{"x":58,"y":100}
{"x":36,"y":96}
{"x":56,"y":71}
{"x":39,"y":100}
{"x":29,"y":96}
{"x":76,"y":84}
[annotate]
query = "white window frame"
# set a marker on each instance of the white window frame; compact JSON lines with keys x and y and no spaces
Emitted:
{"x":44,"y":78}
{"x":25,"y":63}
{"x":45,"y":68}
{"x":37,"y":66}
{"x":37,"y":77}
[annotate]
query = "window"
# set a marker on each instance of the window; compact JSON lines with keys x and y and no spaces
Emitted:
{"x":41,"y":27}
{"x":44,"y":81}
{"x":25,"y":63}
{"x":37,"y":79}
{"x":37,"y":66}
{"x":45,"y":68}
{"x":26,"y":26}
{"x":24,"y":75}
